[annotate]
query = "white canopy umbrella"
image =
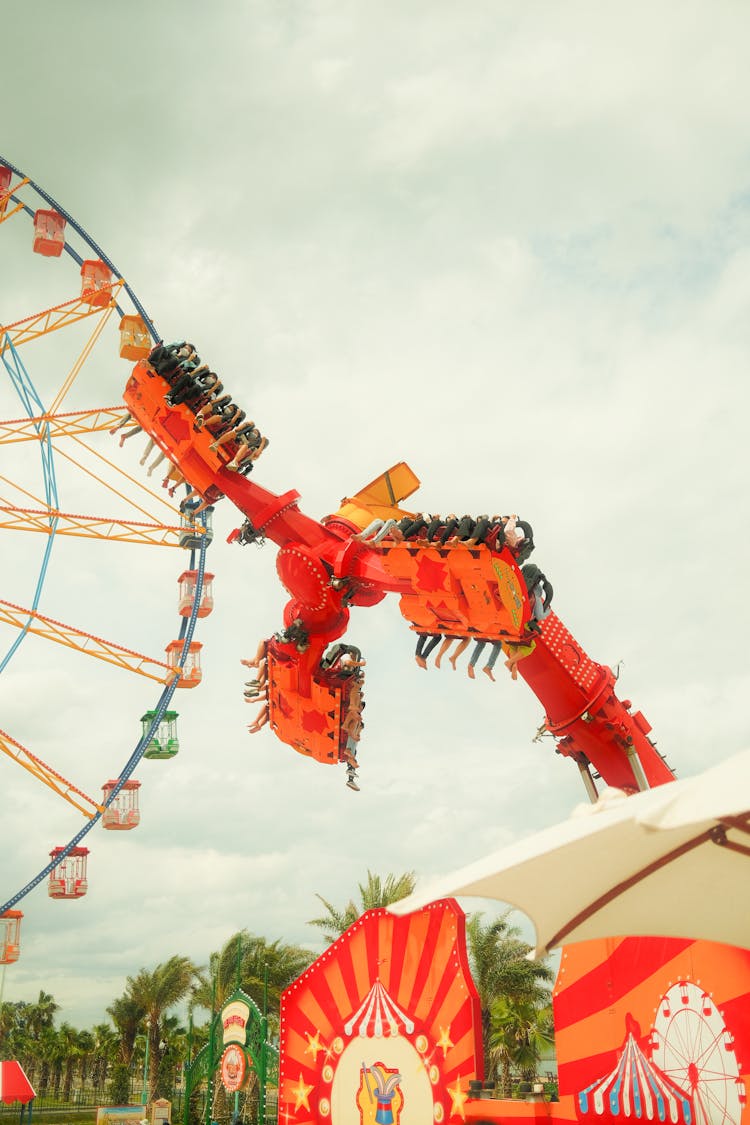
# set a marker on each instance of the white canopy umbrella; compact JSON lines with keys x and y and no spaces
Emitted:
{"x":674,"y":861}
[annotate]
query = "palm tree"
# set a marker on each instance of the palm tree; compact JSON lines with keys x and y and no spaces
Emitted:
{"x":501,"y":969}
{"x":126,"y":1016}
{"x":70,"y":1054}
{"x":154,"y":993}
{"x":520,"y":1032}
{"x":42,"y":1014}
{"x":375,"y":892}
{"x":261,"y":963}
{"x":104,"y":1051}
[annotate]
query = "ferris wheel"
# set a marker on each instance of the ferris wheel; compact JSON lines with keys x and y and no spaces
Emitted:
{"x":692,"y":1045}
{"x":72,"y":491}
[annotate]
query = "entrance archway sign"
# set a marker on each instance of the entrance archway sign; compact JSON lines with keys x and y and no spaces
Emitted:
{"x":237,"y":1047}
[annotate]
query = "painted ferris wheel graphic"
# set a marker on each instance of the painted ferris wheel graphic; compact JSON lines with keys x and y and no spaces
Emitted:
{"x":693,"y":1047}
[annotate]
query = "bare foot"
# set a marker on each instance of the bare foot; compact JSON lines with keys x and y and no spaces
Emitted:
{"x":470,"y":670}
{"x":437,"y":661}
{"x":421,"y":661}
{"x":488,"y":672}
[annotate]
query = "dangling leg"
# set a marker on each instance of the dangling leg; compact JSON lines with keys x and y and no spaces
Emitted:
{"x":496,"y":648}
{"x":147,"y":451}
{"x":123,"y":422}
{"x":447,"y":642}
{"x":131,"y":433}
{"x":478,"y":650}
{"x":461,"y":647}
{"x":157,"y":461}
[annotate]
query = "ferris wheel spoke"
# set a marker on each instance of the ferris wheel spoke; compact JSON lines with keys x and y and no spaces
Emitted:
{"x":22,"y":490}
{"x":85,"y":352}
{"x":86,"y":643}
{"x":30,"y":328}
{"x":72,"y":424}
{"x":51,"y":778}
{"x":90,"y":527}
{"x":110,"y":487}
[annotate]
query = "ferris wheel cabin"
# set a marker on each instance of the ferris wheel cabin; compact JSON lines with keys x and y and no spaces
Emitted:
{"x":96,"y":283}
{"x":164,"y":742}
{"x":122,"y":812}
{"x":5,"y":175}
{"x":135,"y":340}
{"x":49,"y":233}
{"x":10,"y":936}
{"x":188,"y":581}
{"x":67,"y":879}
{"x":190,"y":671}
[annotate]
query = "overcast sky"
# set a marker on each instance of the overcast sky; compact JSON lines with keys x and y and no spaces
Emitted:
{"x":506,"y":242}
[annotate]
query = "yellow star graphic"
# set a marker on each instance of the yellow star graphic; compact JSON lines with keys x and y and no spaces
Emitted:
{"x":300,"y":1092}
{"x":313,"y":1045}
{"x":458,"y":1097}
{"x":445,"y":1040}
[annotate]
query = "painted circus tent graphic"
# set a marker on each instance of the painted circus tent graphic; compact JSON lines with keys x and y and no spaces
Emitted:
{"x":384,"y":1027}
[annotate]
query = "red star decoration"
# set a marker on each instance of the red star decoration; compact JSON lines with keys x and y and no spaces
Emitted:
{"x":431,"y":574}
{"x":176,"y":426}
{"x":314,"y":721}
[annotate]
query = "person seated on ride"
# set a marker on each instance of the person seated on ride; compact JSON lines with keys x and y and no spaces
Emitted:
{"x":481,"y":528}
{"x":168,"y":360}
{"x":479,"y":648}
{"x":222,"y":419}
{"x":540,"y":591}
{"x":449,"y":526}
{"x":173,"y":479}
{"x":513,"y":533}
{"x":236,"y":432}
{"x":380,"y":529}
{"x":447,"y":642}
{"x":426,"y":642}
{"x":436,"y":522}
{"x":241,"y":426}
{"x":192,"y":386}
{"x":215,"y":404}
{"x":337,"y":652}
{"x":211,"y":496}
{"x":295,"y":634}
{"x":260,"y":719}
{"x":250,"y":445}
{"x":464,"y":528}
{"x":410,"y":526}
{"x":125,"y":421}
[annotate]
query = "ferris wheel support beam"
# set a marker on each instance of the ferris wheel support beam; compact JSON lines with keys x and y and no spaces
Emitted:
{"x":89,"y":645}
{"x":89,"y":527}
{"x":70,"y":424}
{"x":48,"y":776}
{"x":50,"y":320}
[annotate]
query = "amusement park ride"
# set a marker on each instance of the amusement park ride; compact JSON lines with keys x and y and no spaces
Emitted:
{"x":385,"y":1026}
